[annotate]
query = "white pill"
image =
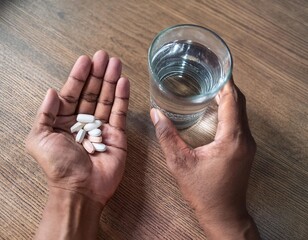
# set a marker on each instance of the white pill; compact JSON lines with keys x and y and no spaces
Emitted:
{"x":91,"y":126}
{"x":76,"y":127}
{"x":95,"y":139}
{"x":80,"y":135}
{"x":95,"y":132}
{"x":98,"y":122}
{"x":100,"y":147}
{"x":85,"y":118}
{"x":88,"y":146}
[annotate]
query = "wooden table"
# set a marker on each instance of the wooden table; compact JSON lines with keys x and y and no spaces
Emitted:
{"x":39,"y":42}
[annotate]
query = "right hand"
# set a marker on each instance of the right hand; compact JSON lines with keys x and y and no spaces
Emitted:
{"x":213,"y":178}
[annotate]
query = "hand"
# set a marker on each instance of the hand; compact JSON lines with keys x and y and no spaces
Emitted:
{"x":93,"y":87}
{"x":213,"y":178}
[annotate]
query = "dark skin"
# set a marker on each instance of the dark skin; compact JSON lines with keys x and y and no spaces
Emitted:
{"x":94,"y":87}
{"x":213,"y":178}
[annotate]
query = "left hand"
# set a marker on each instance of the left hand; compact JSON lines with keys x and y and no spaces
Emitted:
{"x":93,"y":87}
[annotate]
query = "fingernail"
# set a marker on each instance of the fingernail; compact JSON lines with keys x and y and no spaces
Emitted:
{"x":154,"y":116}
{"x":217,"y":98}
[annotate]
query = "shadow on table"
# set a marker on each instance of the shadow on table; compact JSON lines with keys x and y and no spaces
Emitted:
{"x":277,"y":196}
{"x":123,"y":213}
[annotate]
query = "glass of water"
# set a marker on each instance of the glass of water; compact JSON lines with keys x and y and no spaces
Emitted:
{"x":188,"y":65}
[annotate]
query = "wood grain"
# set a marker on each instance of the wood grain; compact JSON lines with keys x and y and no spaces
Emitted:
{"x":39,"y":42}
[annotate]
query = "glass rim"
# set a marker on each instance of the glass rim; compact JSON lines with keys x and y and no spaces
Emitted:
{"x":215,"y":90}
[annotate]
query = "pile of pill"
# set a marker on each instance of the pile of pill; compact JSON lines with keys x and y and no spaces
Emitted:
{"x":89,"y":133}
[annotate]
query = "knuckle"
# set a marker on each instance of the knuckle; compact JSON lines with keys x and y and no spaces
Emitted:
{"x":93,"y":76}
{"x":76,"y":79}
{"x":68,"y":98}
{"x":119,"y":113}
{"x":45,"y":116}
{"x":106,"y":102}
{"x":89,"y":97}
{"x":122,"y":99}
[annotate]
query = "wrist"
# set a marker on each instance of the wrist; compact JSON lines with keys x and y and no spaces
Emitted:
{"x":239,"y":226}
{"x":74,"y":202}
{"x":69,"y":215}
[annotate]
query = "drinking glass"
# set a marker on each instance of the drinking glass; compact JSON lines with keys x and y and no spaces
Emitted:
{"x":188,"y":65}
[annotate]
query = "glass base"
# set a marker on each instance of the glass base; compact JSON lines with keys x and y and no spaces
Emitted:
{"x":181,"y":121}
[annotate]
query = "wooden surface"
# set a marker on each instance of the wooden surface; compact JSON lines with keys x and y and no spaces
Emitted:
{"x":39,"y":42}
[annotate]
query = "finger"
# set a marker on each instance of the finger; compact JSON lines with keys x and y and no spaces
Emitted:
{"x":70,"y":92}
{"x":47,"y":112}
{"x":91,"y":90}
{"x":174,"y":148}
{"x":232,"y":118}
{"x":119,"y":109}
{"x":113,"y":138}
{"x":106,"y":97}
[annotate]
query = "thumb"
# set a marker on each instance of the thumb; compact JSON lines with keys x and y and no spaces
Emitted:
{"x":170,"y":141}
{"x":47,"y":112}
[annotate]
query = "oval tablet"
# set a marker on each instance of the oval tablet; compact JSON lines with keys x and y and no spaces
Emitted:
{"x":76,"y":127}
{"x":95,"y":132}
{"x":98,"y":122}
{"x":80,"y":135}
{"x":95,"y":139}
{"x":93,"y":125}
{"x":85,"y":118}
{"x":88,"y":146}
{"x":100,"y":147}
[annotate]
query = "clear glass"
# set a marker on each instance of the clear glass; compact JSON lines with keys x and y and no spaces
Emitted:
{"x":188,"y":65}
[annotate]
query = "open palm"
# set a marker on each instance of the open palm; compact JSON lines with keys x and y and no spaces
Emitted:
{"x":93,"y":87}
